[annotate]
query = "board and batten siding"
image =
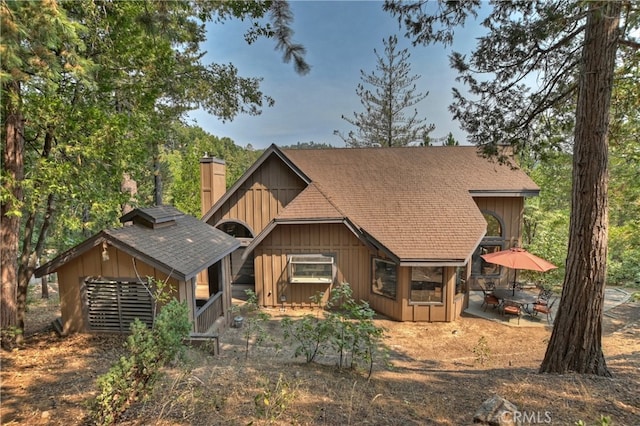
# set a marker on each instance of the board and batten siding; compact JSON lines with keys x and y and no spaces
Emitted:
{"x":511,"y":211}
{"x":262,"y":196}
{"x":448,"y":311}
{"x":120,"y":266}
{"x":353,"y":265}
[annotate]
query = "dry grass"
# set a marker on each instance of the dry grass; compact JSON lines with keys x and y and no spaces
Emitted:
{"x":436,"y":378}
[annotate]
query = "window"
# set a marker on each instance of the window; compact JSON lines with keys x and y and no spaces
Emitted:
{"x":427,"y":284}
{"x":492,"y":242}
{"x":461,"y":280}
{"x":494,"y":227}
{"x":311,"y":268}
{"x":482,"y":267}
{"x":384,"y":278}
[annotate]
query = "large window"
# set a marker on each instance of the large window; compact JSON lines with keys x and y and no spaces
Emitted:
{"x":311,"y":268}
{"x":491,"y":243}
{"x":385,"y":281}
{"x":482,"y":267}
{"x":427,"y":284}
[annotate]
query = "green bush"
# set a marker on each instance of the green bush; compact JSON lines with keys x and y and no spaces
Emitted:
{"x":132,"y":378}
{"x":347,"y":328}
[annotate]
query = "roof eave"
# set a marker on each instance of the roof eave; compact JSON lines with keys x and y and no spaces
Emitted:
{"x":301,"y":221}
{"x":275,"y":222}
{"x":64,"y":257}
{"x":433,"y":262}
{"x":103,"y":236}
{"x":504,"y":193}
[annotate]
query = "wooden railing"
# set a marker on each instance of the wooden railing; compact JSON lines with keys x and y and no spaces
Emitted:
{"x":209,"y":313}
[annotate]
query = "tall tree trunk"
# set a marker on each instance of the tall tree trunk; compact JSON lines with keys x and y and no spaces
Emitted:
{"x":44,"y":283}
{"x":157,"y":176}
{"x":576,"y":341}
{"x":13,"y":174}
{"x":30,"y":253}
{"x":30,"y":256}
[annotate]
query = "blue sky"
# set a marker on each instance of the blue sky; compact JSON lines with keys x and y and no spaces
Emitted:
{"x":339,"y":37}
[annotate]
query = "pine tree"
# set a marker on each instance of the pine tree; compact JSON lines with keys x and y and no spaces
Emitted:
{"x":383,"y":122}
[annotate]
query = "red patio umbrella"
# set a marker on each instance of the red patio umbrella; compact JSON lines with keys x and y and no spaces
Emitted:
{"x":518,"y":258}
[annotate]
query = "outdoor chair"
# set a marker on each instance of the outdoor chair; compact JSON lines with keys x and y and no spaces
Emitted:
{"x":544,"y":309}
{"x":489,"y":297}
{"x":512,"y":308}
{"x":543,"y":297}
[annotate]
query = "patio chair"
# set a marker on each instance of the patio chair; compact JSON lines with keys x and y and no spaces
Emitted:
{"x":489,"y":298}
{"x":545,"y":309}
{"x":543,"y":297}
{"x":512,"y":308}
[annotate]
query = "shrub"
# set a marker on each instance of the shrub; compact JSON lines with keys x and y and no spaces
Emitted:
{"x":274,"y":399}
{"x":347,"y":327}
{"x":132,"y":378}
{"x":481,"y":351}
{"x":254,"y":322}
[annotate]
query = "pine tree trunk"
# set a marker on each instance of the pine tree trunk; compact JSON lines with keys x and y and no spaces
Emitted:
{"x":576,"y":341}
{"x":13,"y":173}
{"x":45,"y":286}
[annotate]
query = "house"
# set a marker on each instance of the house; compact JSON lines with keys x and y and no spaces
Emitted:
{"x":104,"y":282}
{"x":405,"y":227}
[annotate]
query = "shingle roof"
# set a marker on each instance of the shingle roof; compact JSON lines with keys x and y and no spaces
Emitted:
{"x":311,"y":203}
{"x":182,"y":249}
{"x":416,"y":201}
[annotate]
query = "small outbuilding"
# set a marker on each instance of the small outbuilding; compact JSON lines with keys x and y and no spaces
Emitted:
{"x":109,"y":279}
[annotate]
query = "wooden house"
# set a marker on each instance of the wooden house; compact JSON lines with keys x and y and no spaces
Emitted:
{"x":405,"y":227}
{"x":105,"y":283}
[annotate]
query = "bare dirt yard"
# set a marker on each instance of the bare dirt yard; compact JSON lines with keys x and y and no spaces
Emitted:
{"x":436,"y":377}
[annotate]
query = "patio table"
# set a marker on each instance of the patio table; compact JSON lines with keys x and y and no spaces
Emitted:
{"x":521,"y":297}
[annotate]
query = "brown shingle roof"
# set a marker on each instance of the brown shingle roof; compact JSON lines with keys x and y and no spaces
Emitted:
{"x":182,"y":248}
{"x":311,"y":203}
{"x":416,"y":201}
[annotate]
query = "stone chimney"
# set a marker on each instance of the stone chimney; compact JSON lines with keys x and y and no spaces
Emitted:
{"x":213,"y":183}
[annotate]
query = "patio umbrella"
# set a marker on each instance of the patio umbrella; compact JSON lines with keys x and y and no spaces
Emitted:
{"x":518,"y":258}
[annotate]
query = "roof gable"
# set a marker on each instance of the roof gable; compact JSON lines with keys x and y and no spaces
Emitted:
{"x":272,"y":151}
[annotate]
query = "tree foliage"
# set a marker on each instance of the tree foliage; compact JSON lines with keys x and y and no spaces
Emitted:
{"x":182,"y":154}
{"x":383,"y":121}
{"x":542,"y":66}
{"x":91,"y":89}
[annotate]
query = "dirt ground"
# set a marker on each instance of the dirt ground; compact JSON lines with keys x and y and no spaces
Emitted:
{"x":435,"y":378}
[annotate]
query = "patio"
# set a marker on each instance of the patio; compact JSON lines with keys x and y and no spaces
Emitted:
{"x":613,"y":297}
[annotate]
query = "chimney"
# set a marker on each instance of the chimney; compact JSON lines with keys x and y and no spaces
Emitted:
{"x":213,"y":183}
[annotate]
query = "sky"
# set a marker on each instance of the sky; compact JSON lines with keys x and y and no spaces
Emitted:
{"x":340,"y":38}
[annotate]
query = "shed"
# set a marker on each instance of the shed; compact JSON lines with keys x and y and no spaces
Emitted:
{"x":107,"y":281}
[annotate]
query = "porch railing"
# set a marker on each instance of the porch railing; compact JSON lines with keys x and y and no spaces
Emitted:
{"x":209,"y":313}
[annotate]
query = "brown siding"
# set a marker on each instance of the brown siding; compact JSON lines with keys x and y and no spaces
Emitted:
{"x":511,"y":210}
{"x":429,"y":312}
{"x":352,"y":260}
{"x":212,"y":182}
{"x":262,"y":196}
{"x":119,"y":266}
